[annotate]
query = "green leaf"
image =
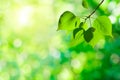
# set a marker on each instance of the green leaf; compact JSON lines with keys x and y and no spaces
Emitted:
{"x":92,"y":29}
{"x":68,"y":21}
{"x":104,"y":25}
{"x":97,"y":35}
{"x":75,"y":31}
{"x":88,"y":35}
{"x":84,"y":4}
{"x":96,"y":38}
{"x":78,"y":38}
{"x":81,"y":24}
{"x":76,"y":24}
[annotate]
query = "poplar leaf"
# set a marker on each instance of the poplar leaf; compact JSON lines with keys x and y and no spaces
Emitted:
{"x":104,"y":25}
{"x":88,"y":35}
{"x":81,"y":25}
{"x":78,"y":38}
{"x":75,"y":31}
{"x":84,"y":4}
{"x":68,"y":21}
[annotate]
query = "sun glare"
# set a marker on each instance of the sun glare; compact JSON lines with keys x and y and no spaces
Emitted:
{"x":24,"y":15}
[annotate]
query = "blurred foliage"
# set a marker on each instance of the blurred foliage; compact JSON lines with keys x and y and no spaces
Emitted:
{"x":32,"y":49}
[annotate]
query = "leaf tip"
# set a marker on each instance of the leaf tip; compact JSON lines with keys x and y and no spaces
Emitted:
{"x":111,"y":36}
{"x":85,"y":4}
{"x":57,"y":29}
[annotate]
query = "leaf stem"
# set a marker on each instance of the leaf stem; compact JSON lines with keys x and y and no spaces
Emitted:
{"x":90,"y":22}
{"x":94,"y":10}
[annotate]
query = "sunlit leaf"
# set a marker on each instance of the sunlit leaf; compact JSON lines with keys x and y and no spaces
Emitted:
{"x":84,"y":4}
{"x":68,"y":21}
{"x":75,"y":31}
{"x":97,"y":35}
{"x":104,"y":25}
{"x":78,"y":38}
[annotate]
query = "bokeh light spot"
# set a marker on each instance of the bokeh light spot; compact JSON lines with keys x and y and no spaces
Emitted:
{"x":17,"y":43}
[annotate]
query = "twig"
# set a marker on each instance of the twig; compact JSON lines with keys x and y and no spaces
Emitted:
{"x":94,"y":10}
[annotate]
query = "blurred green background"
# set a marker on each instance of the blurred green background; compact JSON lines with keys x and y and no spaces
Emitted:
{"x":32,"y":49}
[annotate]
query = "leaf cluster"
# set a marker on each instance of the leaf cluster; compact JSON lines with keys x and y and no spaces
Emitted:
{"x":98,"y":29}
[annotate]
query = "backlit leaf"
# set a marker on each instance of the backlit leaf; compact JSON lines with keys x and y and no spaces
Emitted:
{"x":78,"y":38}
{"x":104,"y":25}
{"x":84,"y":4}
{"x":97,"y":35}
{"x":68,"y":21}
{"x":75,"y":31}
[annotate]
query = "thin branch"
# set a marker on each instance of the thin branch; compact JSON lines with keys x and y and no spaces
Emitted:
{"x":94,"y":10}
